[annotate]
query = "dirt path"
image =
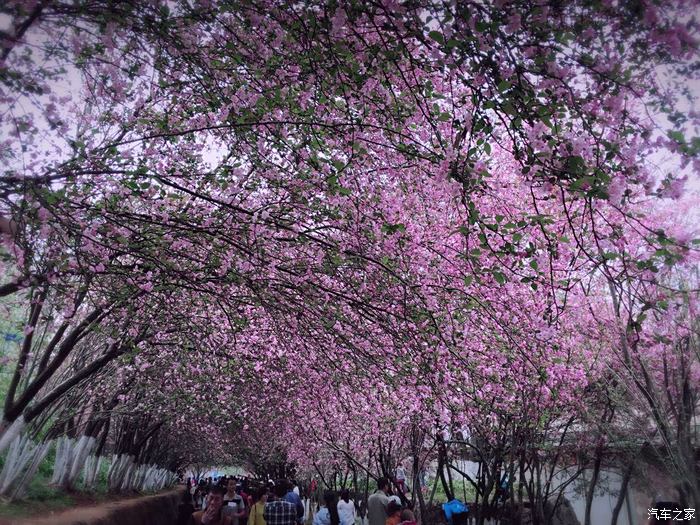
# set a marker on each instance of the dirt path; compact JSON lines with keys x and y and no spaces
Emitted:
{"x":158,"y":509}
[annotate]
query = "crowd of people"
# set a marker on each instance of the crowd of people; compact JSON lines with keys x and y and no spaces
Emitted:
{"x":385,"y":508}
{"x":231,"y":500}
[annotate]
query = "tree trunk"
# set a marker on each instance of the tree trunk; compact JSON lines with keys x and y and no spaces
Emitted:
{"x":11,"y":431}
{"x":442,"y":460}
{"x":432,"y":493}
{"x":594,"y":481}
{"x":417,"y":487}
{"x":623,"y":493}
{"x":21,"y":486}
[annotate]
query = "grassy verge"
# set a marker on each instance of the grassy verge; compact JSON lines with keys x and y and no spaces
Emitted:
{"x":31,"y":507}
{"x":459,"y":487}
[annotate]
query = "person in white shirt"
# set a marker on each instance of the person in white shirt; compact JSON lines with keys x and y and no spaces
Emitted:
{"x":401,"y":478}
{"x":346,"y":508}
{"x":328,"y":513}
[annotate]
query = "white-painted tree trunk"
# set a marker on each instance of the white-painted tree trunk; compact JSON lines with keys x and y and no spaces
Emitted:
{"x":145,"y":480}
{"x":4,"y":425}
{"x":10,"y":432}
{"x":57,"y":459}
{"x":128,"y":476}
{"x":62,"y":466}
{"x":92,"y":468}
{"x":63,"y":448}
{"x":81,"y":450}
{"x":112,"y":469}
{"x":150,"y":478}
{"x":20,"y":488}
{"x":165,"y":478}
{"x":19,"y":455}
{"x":156,"y":481}
{"x":136,"y":476}
{"x":120,"y":472}
{"x":114,"y":474}
{"x":145,"y":475}
{"x":11,"y":461}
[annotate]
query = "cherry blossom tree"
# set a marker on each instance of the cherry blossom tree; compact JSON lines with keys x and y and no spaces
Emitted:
{"x":342,"y":235}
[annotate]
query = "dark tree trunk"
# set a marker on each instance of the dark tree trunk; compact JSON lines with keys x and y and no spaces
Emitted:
{"x":623,"y":492}
{"x":594,"y":481}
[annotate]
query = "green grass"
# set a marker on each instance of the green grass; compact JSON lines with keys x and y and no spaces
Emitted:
{"x":458,"y":487}
{"x":26,"y":508}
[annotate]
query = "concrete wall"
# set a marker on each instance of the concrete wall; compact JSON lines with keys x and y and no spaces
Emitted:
{"x":160,"y":509}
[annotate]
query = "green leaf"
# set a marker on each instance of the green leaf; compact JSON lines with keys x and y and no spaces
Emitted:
{"x":575,"y":164}
{"x":393,"y":228}
{"x":482,"y":26}
{"x":503,"y":85}
{"x":677,"y":136}
{"x":437,"y":36}
{"x":500,"y":278}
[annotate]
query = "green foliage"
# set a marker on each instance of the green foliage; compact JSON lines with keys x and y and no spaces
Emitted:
{"x":459,"y":487}
{"x":20,"y":509}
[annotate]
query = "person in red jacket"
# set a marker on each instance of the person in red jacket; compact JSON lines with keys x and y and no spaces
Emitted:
{"x":407,"y":517}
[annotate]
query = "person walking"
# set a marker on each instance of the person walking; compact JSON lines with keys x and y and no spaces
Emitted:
{"x":294,"y":498}
{"x":278,"y":511}
{"x":213,"y":515}
{"x":401,"y":478}
{"x":377,"y":503}
{"x":256,"y":516}
{"x":234,"y":505}
{"x":346,"y":508}
{"x":328,"y":513}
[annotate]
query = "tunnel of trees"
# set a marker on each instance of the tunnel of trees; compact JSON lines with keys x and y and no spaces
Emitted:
{"x":343,"y":234}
